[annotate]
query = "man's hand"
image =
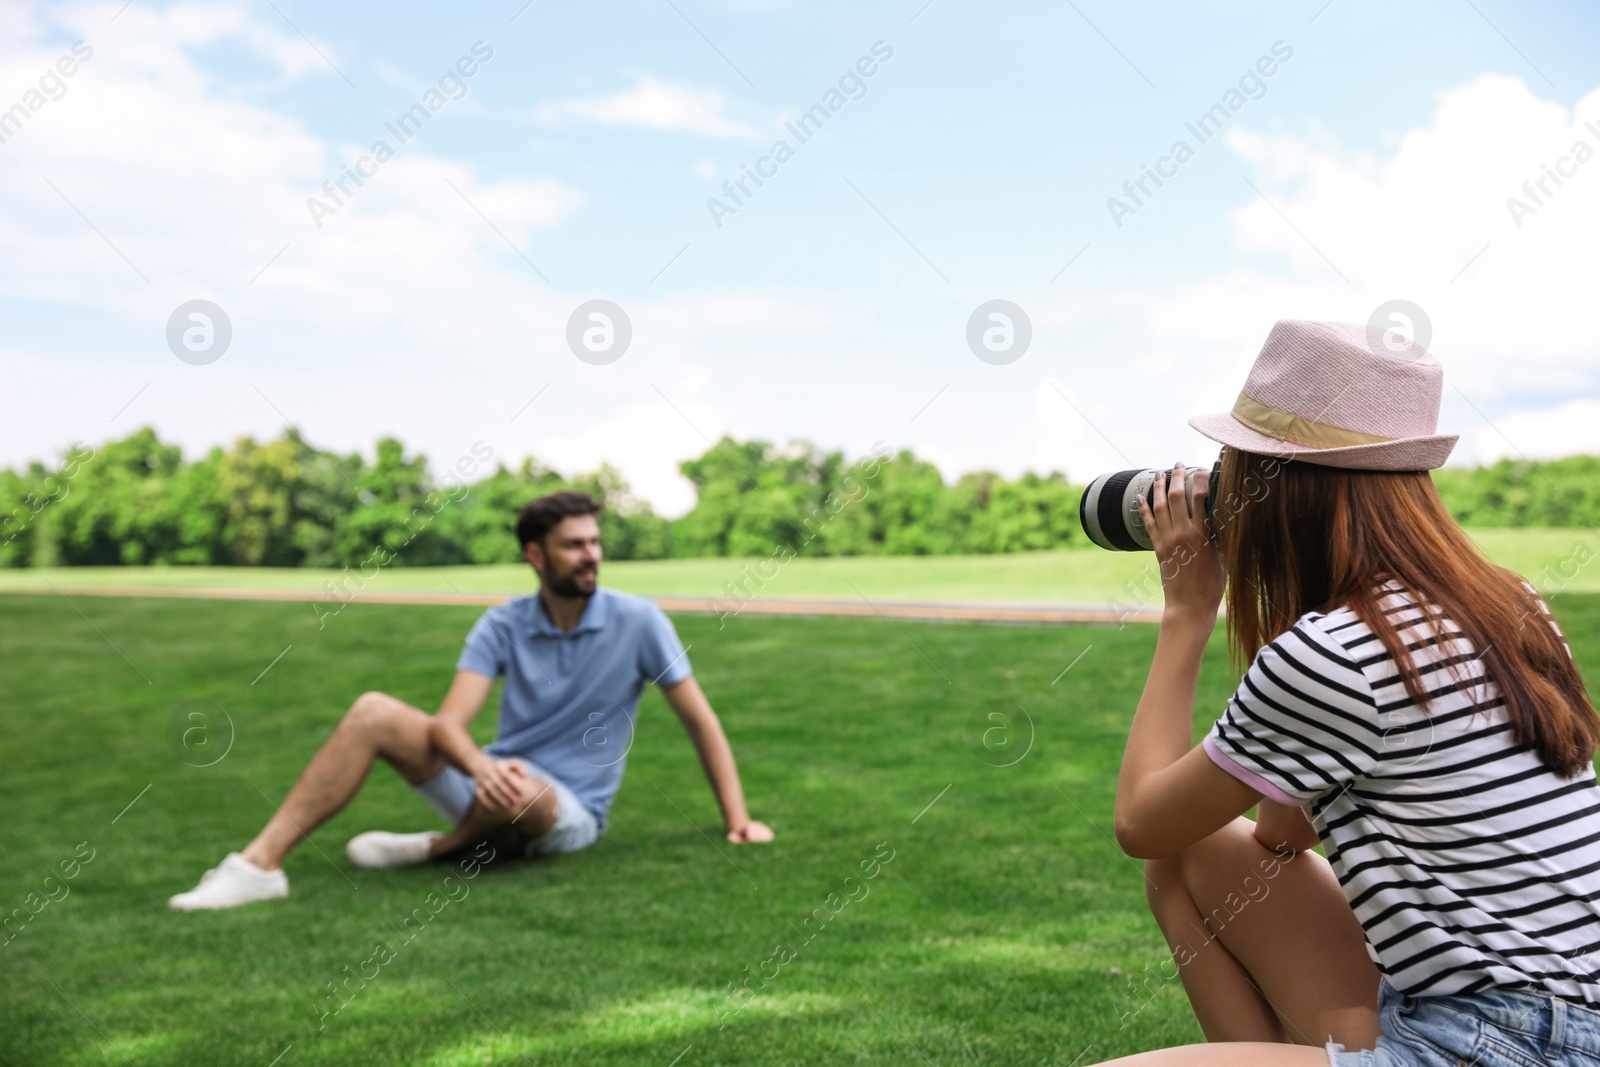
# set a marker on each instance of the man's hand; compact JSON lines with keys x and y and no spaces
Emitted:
{"x":498,"y":782}
{"x":705,"y":731}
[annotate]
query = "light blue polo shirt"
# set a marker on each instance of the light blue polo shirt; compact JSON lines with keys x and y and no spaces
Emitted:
{"x":570,"y":698}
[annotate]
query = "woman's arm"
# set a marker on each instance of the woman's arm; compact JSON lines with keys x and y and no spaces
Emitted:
{"x":1280,"y":826}
{"x":1169,"y":792}
{"x":1162,"y":724}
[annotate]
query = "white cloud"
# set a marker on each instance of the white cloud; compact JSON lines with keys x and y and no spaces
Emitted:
{"x":200,"y":189}
{"x":656,"y":105}
{"x":1067,"y":438}
{"x":1514,"y":328}
{"x":1569,"y":429}
{"x":200,"y":24}
{"x":392,"y":75}
{"x":646,"y":438}
{"x":355,"y":329}
{"x":1408,"y":226}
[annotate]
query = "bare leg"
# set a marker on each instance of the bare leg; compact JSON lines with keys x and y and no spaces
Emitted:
{"x":377,"y":725}
{"x":1268,"y":948}
{"x":531,"y":816}
{"x":1226,"y":1002}
{"x":1241,"y":1054}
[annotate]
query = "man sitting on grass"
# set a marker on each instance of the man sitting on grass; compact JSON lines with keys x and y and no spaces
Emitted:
{"x":575,"y":658}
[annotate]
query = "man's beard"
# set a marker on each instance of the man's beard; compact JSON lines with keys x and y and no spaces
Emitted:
{"x":580,"y":583}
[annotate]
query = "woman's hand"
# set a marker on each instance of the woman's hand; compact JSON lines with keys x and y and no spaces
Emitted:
{"x":1191,"y":568}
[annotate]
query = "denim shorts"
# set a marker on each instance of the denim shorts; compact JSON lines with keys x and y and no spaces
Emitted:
{"x":451,"y":793}
{"x":1495,"y":1028}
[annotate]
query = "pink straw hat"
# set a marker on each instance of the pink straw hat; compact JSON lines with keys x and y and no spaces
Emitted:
{"x":1323,"y":393}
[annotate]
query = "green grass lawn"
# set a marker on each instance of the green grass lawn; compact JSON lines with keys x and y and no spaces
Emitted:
{"x":1007,"y":929}
{"x":1079,"y":574}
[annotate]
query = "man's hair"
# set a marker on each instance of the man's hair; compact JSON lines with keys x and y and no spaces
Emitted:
{"x":541,"y":516}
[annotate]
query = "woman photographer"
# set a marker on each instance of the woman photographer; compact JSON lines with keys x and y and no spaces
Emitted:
{"x":1407,"y":703}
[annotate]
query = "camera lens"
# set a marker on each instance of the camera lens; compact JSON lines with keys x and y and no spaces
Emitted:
{"x":1109,"y":508}
{"x":1103,"y":511}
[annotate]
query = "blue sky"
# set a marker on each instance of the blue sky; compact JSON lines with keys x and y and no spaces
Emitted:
{"x":1373,"y":164}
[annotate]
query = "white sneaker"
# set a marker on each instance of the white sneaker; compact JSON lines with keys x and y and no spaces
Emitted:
{"x":230,"y":883}
{"x":380,"y":848}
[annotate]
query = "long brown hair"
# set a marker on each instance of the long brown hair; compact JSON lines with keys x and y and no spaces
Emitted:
{"x":1298,"y":537}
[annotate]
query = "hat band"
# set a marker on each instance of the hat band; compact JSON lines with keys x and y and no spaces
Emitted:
{"x":1297,"y":430}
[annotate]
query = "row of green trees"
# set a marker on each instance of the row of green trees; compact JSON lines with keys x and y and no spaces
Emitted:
{"x":286,"y":503}
{"x":1562,"y":492}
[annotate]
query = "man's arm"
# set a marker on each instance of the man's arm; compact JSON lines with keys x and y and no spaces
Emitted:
{"x":705,"y":730}
{"x":450,"y":739}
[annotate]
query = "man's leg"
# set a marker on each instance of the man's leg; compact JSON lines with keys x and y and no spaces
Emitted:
{"x":533,"y":813}
{"x":377,"y":725}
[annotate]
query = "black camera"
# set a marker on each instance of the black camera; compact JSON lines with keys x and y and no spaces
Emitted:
{"x":1109,"y":510}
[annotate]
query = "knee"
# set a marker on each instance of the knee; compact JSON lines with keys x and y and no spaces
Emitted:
{"x":536,"y":801}
{"x":370,"y":709}
{"x":1170,"y":884}
{"x":1230,"y":851}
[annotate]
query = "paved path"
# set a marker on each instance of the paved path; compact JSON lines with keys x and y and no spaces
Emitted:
{"x":916,"y":610}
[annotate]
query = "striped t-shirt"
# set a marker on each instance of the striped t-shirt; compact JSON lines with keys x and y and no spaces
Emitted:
{"x":1469,"y":863}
